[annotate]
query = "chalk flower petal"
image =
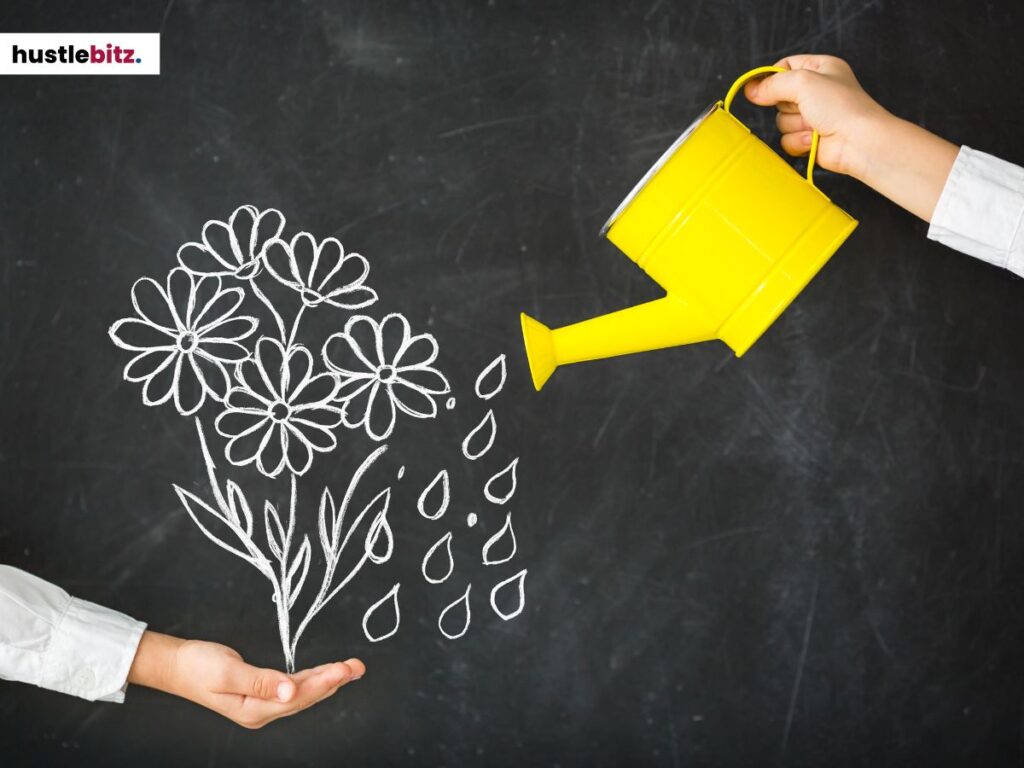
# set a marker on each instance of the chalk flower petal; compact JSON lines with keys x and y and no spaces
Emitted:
{"x":430,"y":380}
{"x":321,"y":272}
{"x":139,"y":335}
{"x":383,"y":369}
{"x":234,"y":247}
{"x":176,"y":331}
{"x":145,"y":364}
{"x":413,"y":400}
{"x":278,"y":387}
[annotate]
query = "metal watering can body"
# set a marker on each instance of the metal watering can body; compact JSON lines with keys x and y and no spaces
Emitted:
{"x":726,"y":226}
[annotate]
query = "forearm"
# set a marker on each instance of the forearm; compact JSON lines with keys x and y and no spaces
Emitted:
{"x":154,"y":662}
{"x":904,"y":162}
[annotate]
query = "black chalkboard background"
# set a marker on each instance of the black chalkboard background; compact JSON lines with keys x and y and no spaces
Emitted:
{"x":811,"y":556}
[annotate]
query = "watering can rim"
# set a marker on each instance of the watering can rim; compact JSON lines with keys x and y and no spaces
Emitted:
{"x":723,"y":104}
{"x":665,"y":156}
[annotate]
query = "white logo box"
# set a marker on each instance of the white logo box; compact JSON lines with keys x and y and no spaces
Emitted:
{"x":80,"y":53}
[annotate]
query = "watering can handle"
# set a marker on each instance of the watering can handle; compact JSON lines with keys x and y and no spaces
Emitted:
{"x":742,"y":80}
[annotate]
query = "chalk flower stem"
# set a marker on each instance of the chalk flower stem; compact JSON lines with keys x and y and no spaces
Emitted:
{"x":228,"y":513}
{"x":331,"y":521}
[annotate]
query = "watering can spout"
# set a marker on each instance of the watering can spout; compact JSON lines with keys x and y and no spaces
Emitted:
{"x":540,"y":349}
{"x":665,"y":322}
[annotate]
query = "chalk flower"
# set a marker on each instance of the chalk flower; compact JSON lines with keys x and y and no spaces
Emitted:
{"x":321,"y":272}
{"x":382,"y":369}
{"x":184,"y":333}
{"x":281,"y":412}
{"x":234,"y":247}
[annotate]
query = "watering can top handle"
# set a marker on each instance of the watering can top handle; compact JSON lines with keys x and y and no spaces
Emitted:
{"x":742,"y":80}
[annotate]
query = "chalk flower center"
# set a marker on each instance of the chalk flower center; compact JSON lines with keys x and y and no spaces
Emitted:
{"x":280,"y":411}
{"x":387,"y":374}
{"x":187,"y":342}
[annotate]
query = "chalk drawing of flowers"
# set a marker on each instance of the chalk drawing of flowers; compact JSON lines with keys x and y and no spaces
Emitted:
{"x":383,"y":368}
{"x":277,"y":407}
{"x":281,"y":413}
{"x":234,"y":247}
{"x":184,"y":334}
{"x":320,"y":272}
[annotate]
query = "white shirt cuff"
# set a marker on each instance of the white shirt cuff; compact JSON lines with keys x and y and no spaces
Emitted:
{"x":981,"y":208}
{"x":91,"y":651}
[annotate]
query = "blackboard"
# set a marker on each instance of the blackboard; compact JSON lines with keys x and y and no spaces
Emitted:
{"x":812,"y":555}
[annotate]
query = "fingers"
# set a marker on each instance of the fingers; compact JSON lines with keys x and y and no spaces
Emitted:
{"x":318,"y":685}
{"x":313,"y":686}
{"x":780,"y":87}
{"x":797,"y":144}
{"x":814,"y":62}
{"x":357,"y":667}
{"x":792,"y":85}
{"x":328,"y":690}
{"x":790,"y":123}
{"x":796,"y":133}
{"x":801,"y":61}
{"x":247,"y":680}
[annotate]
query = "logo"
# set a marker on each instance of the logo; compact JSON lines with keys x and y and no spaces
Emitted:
{"x":55,"y":53}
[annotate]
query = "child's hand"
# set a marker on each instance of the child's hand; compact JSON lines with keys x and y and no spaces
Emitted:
{"x":858,"y":136}
{"x":216,"y":677}
{"x":821,"y":93}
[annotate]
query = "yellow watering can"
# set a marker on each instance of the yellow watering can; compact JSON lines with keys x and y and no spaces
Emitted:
{"x":725,"y":226}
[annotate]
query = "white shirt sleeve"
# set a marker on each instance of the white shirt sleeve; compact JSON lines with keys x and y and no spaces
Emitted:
{"x":56,"y":641}
{"x":981,"y":208}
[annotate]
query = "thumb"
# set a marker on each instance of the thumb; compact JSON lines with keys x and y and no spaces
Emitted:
{"x":782,"y":86}
{"x":266,"y":684}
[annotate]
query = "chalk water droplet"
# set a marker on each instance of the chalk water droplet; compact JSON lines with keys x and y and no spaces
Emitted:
{"x":504,"y":540}
{"x":439,"y":488}
{"x":517,"y":585}
{"x":457,"y":610}
{"x":380,"y":533}
{"x":436,"y":556}
{"x":491,"y":379}
{"x":481,"y":437}
{"x":502,"y":485}
{"x":388,"y":606}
